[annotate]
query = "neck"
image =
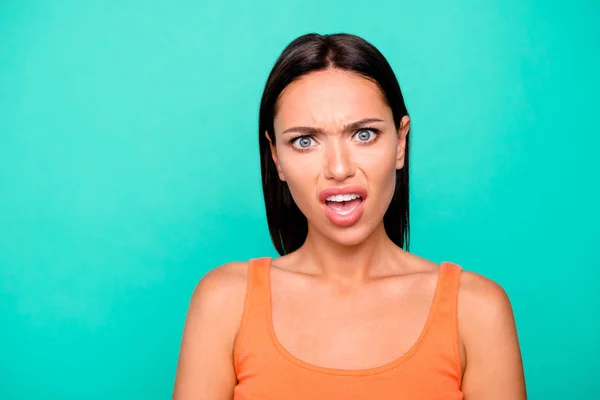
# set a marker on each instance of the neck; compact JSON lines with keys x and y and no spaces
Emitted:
{"x":348,"y":263}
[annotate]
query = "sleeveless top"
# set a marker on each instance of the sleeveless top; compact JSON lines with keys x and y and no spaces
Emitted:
{"x":430,"y":369}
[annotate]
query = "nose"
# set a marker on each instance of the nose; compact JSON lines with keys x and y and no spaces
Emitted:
{"x":338,"y":164}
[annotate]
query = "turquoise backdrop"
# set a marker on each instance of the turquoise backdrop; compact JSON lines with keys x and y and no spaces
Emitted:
{"x":129,"y":168}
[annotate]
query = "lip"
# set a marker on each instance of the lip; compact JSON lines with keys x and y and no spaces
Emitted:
{"x":332,"y":191}
{"x":347,"y":219}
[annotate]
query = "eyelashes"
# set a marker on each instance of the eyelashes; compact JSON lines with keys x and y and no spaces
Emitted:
{"x":375,"y":133}
{"x":296,"y":139}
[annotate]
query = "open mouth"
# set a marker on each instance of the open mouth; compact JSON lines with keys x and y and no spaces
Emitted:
{"x":343,"y":204}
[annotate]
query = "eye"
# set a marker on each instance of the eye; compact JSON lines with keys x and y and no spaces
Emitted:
{"x":366,"y":135}
{"x":303,"y":142}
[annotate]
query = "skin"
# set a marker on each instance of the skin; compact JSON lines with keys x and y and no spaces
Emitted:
{"x":361,"y":294}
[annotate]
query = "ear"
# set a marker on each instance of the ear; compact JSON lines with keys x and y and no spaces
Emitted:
{"x":402,"y":133}
{"x":274,"y":156}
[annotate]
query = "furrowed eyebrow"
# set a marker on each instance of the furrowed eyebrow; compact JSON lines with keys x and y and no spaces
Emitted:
{"x":358,"y":124}
{"x":307,"y":130}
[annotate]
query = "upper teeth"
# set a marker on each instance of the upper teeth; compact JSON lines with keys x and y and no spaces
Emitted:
{"x":343,"y":197}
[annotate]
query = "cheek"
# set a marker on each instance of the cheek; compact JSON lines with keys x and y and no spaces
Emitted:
{"x":380,"y":172}
{"x":380,"y":159}
{"x":301,"y":173}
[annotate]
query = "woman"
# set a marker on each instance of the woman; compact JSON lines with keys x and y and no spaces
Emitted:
{"x":345,"y":312}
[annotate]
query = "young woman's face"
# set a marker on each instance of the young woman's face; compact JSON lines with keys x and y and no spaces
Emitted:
{"x":338,"y":150}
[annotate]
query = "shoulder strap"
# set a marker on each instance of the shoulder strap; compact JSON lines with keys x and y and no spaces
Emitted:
{"x":256,"y":305}
{"x":444,"y":331}
{"x":257,"y":292}
{"x":450,"y":281}
{"x":258,"y":275}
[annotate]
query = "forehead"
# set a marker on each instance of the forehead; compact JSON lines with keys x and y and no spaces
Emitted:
{"x":330,"y":97}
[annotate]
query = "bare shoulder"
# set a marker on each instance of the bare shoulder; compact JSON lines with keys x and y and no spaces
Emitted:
{"x":222,"y":289}
{"x":490,"y":351}
{"x":224,"y":277}
{"x":218,"y":299}
{"x":205,"y":368}
{"x":481,"y":299}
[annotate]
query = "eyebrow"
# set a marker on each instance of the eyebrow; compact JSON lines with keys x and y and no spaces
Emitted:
{"x":308,"y":130}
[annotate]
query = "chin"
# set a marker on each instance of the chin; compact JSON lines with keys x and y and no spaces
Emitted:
{"x":349,"y":236}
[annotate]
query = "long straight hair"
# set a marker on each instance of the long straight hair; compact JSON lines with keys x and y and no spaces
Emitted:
{"x":308,"y":53}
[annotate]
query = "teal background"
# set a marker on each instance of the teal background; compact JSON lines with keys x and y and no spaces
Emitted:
{"x":129,"y":168}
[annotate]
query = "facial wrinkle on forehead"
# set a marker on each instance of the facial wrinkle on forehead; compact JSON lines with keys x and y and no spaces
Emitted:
{"x":329,"y":102}
{"x":329,"y":119}
{"x":333,"y":115}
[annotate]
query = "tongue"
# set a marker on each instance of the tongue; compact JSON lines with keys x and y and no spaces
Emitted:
{"x":343,"y":206}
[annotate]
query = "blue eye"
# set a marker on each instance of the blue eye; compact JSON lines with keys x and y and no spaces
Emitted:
{"x":366,"y":135}
{"x":302,"y":142}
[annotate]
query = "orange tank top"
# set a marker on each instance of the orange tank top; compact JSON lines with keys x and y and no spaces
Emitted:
{"x":430,"y":369}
